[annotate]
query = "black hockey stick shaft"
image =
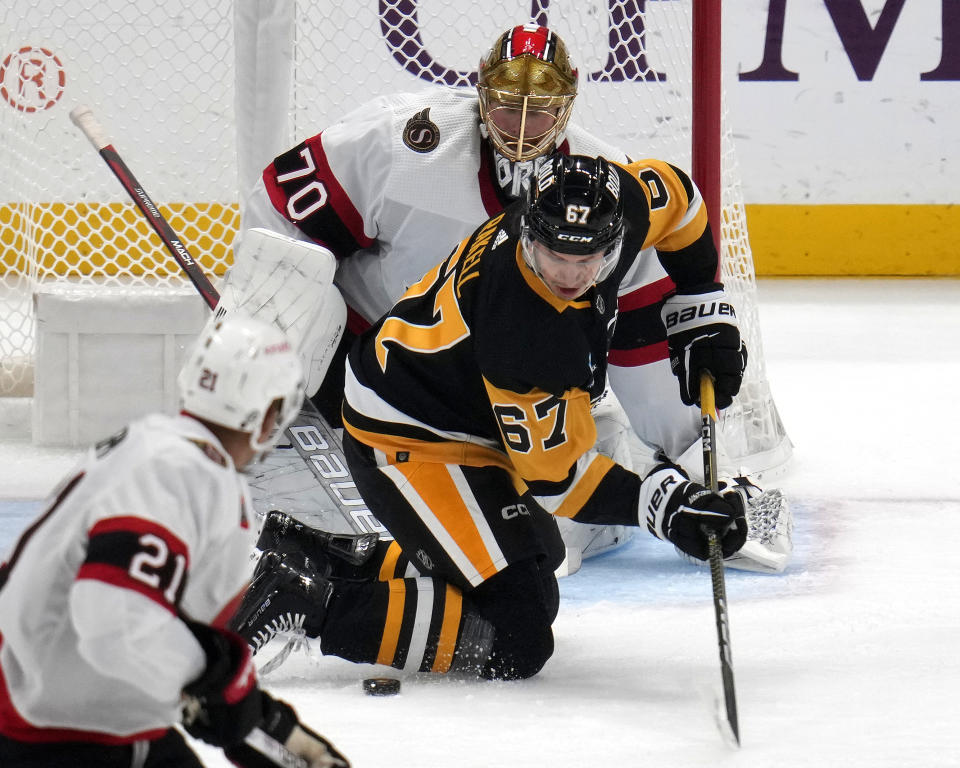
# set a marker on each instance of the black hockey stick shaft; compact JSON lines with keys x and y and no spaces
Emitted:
{"x":83,"y":118}
{"x":320,"y":448}
{"x":708,"y":416}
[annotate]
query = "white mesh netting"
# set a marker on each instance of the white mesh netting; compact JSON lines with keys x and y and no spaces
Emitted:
{"x":160,"y":77}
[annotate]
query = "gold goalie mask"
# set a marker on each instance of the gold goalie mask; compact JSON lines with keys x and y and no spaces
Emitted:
{"x":526,"y":86}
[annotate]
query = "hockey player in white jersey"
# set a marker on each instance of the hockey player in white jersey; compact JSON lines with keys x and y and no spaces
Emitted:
{"x":114,"y":602}
{"x":394,"y":184}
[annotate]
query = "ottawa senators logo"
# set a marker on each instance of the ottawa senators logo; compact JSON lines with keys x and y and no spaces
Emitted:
{"x":421,"y":134}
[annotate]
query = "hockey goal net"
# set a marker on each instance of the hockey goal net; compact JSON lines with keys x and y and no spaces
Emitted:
{"x":200,"y":95}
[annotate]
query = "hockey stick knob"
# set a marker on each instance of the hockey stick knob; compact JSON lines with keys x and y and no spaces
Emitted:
{"x":82,"y":117}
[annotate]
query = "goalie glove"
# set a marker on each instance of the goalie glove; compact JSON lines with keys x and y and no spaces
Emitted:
{"x":678,"y":510}
{"x":282,"y":740}
{"x":702,"y":335}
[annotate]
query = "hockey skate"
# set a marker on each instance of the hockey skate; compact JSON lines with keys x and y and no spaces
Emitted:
{"x":287,"y":596}
{"x":769,"y":529}
{"x":284,"y":534}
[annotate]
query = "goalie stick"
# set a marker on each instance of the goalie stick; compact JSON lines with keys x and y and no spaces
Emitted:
{"x":708,"y":416}
{"x":317,"y":444}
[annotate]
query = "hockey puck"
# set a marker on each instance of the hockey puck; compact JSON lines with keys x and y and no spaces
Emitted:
{"x":381,"y":686}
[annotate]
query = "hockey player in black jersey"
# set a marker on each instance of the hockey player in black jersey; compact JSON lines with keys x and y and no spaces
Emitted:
{"x":468,"y":423}
{"x":390,"y":187}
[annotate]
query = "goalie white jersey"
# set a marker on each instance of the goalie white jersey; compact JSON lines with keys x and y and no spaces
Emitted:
{"x":395,"y":185}
{"x":152,"y":524}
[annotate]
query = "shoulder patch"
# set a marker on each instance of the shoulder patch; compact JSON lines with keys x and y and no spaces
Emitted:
{"x":421,"y":134}
{"x":210,"y":452}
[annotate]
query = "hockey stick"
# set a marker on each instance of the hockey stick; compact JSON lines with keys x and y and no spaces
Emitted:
{"x":320,"y":448}
{"x":83,"y":118}
{"x":708,"y":416}
{"x":192,"y":709}
{"x":303,"y":747}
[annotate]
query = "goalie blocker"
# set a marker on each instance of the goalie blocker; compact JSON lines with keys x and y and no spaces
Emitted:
{"x":289,"y":283}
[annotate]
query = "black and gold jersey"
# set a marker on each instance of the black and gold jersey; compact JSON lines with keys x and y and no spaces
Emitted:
{"x":480,"y":364}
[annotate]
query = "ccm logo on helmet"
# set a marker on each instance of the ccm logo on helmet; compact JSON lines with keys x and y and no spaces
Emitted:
{"x":575,"y":238}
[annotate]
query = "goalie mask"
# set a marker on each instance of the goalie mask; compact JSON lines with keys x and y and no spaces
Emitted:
{"x":526,"y":86}
{"x":235,"y":371}
{"x":572,"y":231}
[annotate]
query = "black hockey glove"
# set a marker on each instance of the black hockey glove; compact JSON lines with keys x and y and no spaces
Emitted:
{"x":281,"y":739}
{"x":702,"y":335}
{"x":224,"y":703}
{"x":678,"y":510}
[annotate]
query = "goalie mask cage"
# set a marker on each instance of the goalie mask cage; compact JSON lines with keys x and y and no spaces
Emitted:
{"x":199,"y":96}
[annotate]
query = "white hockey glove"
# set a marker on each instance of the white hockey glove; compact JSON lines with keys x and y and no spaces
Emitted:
{"x":702,"y":335}
{"x":678,"y":510}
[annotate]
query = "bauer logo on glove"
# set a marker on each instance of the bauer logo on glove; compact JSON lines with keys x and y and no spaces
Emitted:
{"x":698,"y":314}
{"x":702,"y":335}
{"x":680,"y":511}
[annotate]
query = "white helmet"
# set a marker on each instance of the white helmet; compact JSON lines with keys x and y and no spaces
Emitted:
{"x":235,"y":370}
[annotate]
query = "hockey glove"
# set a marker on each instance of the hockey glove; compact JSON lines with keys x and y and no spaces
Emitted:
{"x":678,"y":510}
{"x":224,"y":703}
{"x":281,"y":739}
{"x":702,"y":335}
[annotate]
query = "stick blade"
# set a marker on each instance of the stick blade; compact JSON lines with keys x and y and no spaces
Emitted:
{"x":729,"y":731}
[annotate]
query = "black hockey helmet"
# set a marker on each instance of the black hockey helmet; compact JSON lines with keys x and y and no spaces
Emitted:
{"x":574,"y":207}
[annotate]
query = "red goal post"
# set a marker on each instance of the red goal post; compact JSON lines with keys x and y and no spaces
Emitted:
{"x":202,"y":94}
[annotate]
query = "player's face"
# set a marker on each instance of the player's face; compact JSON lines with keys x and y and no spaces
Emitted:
{"x":565,"y":274}
{"x":514,"y":122}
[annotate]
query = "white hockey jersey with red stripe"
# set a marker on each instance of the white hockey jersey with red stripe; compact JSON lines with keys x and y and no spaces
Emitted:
{"x":153,"y":523}
{"x":394,"y":186}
